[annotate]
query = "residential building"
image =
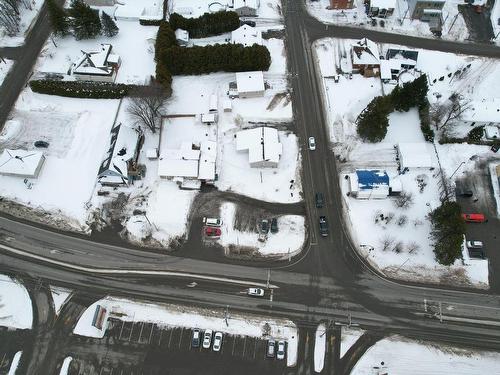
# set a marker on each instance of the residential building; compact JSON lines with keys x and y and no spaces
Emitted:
{"x":365,"y":58}
{"x":119,"y":166}
{"x":246,"y":8}
{"x":382,"y":8}
{"x":427,"y":11}
{"x":396,"y":62}
{"x":485,"y":112}
{"x":250,"y":84}
{"x":263,"y":146}
{"x":99,"y":65}
{"x":21,"y":163}
{"x":372,"y":184}
{"x":246,"y":35}
{"x":341,"y":4}
{"x":413,"y":155}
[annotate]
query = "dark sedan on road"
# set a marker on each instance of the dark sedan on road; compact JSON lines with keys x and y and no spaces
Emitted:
{"x":323,"y":226}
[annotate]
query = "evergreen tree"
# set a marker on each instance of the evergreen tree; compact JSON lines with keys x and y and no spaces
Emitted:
{"x":372,"y":123}
{"x":58,"y":18}
{"x":411,"y":94}
{"x":109,"y":27}
{"x":86,"y":22}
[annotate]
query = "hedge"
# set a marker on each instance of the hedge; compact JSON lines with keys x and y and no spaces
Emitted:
{"x":148,"y":22}
{"x":425,"y":121}
{"x":81,"y":89}
{"x":208,"y":24}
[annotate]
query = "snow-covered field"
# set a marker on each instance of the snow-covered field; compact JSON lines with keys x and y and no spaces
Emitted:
{"x":59,"y":296}
{"x":15,"y":304}
{"x":27,"y":20}
{"x":345,"y":100}
{"x":5,"y":66}
{"x":454,"y":27}
{"x":178,"y":316}
{"x":398,"y":356}
{"x":288,"y":241}
{"x":134,"y":44}
{"x":319,"y":348}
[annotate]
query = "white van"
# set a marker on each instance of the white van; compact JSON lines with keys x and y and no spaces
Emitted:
{"x":212,"y":222}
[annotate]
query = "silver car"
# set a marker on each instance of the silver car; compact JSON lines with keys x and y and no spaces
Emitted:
{"x":280,"y":353}
{"x":207,"y":339}
{"x":217,"y":341}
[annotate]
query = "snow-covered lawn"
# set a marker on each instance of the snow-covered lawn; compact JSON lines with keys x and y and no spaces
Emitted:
{"x":179,"y":316}
{"x":396,"y":356}
{"x":77,"y":131}
{"x":15,"y":304}
{"x":288,"y":241}
{"x":59,"y":296}
{"x":134,"y":44}
{"x":5,"y":66}
{"x":27,"y":20}
{"x":319,"y":348}
{"x":454,"y":27}
{"x":349,"y":337}
{"x":15,"y":363}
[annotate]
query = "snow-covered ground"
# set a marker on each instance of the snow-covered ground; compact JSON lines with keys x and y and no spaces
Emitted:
{"x":397,"y":356}
{"x":345,"y":100}
{"x":134,"y":44}
{"x":77,"y":131}
{"x":268,"y":10}
{"x":349,"y":336}
{"x":319,"y":348}
{"x":288,"y":241}
{"x":495,"y":16}
{"x":5,"y":66}
{"x":454,"y":27}
{"x":59,"y":296}
{"x":179,"y":316}
{"x":15,"y":304}
{"x":65,"y":366}
{"x":15,"y":363}
{"x":27,"y":20}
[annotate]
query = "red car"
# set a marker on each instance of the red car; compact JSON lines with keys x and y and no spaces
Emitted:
{"x":212,"y":232}
{"x":474,"y":218}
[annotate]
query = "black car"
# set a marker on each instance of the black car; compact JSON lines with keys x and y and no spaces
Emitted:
{"x":271,"y":348}
{"x":460,"y":192}
{"x":320,"y":201}
{"x":41,"y":144}
{"x":249,"y":23}
{"x":195,"y":341}
{"x":264,"y":226}
{"x":274,"y":225}
{"x":323,"y":226}
{"x":476,"y":253}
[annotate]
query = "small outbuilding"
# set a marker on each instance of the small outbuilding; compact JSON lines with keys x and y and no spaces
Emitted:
{"x":414,"y":155}
{"x":227,"y":104}
{"x":21,"y":163}
{"x":263,"y":146}
{"x":250,"y":84}
{"x":182,"y":37}
{"x":491,"y":132}
{"x":246,"y":35}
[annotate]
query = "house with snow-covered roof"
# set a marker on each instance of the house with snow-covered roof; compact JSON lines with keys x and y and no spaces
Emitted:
{"x":414,"y":155}
{"x":485,"y":112}
{"x":430,"y":11}
{"x":263,"y":146}
{"x":100,"y":65}
{"x":250,"y":84}
{"x":365,"y":58}
{"x":372,"y":184}
{"x":119,"y":165}
{"x":21,"y":163}
{"x":246,"y":35}
{"x":245,"y":8}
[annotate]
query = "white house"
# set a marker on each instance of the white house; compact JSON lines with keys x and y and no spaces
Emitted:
{"x":99,"y":65}
{"x":246,"y":8}
{"x":246,"y":35}
{"x":21,"y":163}
{"x":483,"y":112}
{"x":120,"y":161}
{"x":414,"y":155}
{"x":182,"y":37}
{"x":250,"y":84}
{"x":263,"y":146}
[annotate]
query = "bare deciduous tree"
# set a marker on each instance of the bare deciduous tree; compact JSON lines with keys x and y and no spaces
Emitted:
{"x":413,"y":247}
{"x":404,"y":200}
{"x":402,"y":220}
{"x":443,"y":114}
{"x":387,"y":242}
{"x":398,"y":247}
{"x":146,"y":105}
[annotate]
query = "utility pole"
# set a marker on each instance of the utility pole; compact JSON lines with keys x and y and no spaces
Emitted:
{"x":226,"y":315}
{"x":268,"y":278}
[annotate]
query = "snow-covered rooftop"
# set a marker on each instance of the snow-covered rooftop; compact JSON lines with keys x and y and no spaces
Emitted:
{"x":383,"y":4}
{"x":208,"y":156}
{"x":365,"y":52}
{"x":262,"y":144}
{"x":21,"y":163}
{"x":250,"y":81}
{"x":246,"y":35}
{"x":246,"y":3}
{"x":208,"y":117}
{"x":414,"y":155}
{"x":187,"y":162}
{"x":182,"y":35}
{"x":486,"y":110}
{"x":96,"y":62}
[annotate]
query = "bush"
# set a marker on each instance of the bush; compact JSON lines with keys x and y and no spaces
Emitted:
{"x":475,"y":134}
{"x":80,"y":89}
{"x":448,"y":229}
{"x":146,"y":22}
{"x":372,"y":123}
{"x":208,"y":24}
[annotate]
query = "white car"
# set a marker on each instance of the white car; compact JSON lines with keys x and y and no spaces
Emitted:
{"x":280,"y":353}
{"x":256,"y":292}
{"x":312,"y":144}
{"x":474,"y":245}
{"x":217,"y":341}
{"x":207,"y":339}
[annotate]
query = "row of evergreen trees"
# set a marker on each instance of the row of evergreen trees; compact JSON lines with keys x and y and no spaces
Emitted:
{"x":372,"y":123}
{"x":83,"y":20}
{"x":206,"y":25}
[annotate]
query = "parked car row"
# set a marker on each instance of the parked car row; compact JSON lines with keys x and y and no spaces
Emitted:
{"x":211,"y":227}
{"x":276,"y":350}
{"x":265,"y":226}
{"x":207,"y":341}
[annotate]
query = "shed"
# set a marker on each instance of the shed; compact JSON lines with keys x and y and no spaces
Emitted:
{"x":250,"y":84}
{"x":209,"y":118}
{"x":414,"y":155}
{"x":491,"y":132}
{"x":227,"y":104}
{"x":213,"y":103}
{"x":21,"y":163}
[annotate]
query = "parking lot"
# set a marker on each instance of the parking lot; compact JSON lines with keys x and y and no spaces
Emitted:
{"x":168,"y":351}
